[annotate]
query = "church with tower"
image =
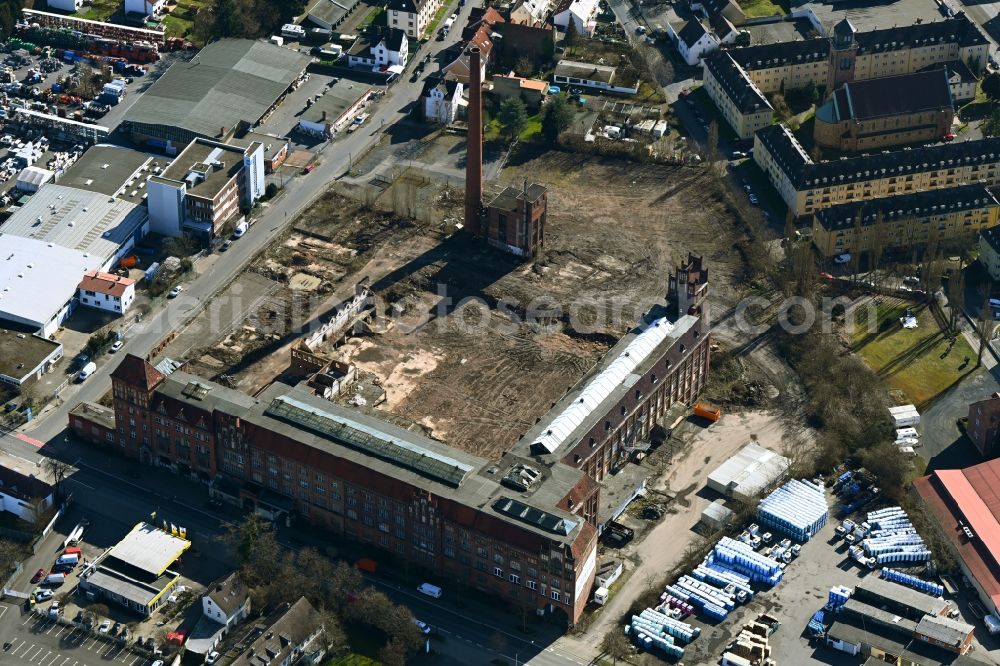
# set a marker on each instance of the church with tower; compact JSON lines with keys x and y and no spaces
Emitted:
{"x":739,"y":80}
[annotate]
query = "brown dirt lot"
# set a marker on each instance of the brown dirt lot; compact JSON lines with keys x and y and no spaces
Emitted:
{"x":479,"y":373}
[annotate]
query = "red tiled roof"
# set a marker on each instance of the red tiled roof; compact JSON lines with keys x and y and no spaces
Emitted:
{"x":971,"y":496}
{"x":137,"y":372}
{"x":105,"y":283}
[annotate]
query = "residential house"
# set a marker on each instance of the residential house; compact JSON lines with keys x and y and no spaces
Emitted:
{"x":24,"y":495}
{"x":152,"y":8}
{"x":530,"y":12}
{"x":442,"y":99}
{"x":724,"y":29}
{"x":285,"y":637}
{"x":693,"y":41}
{"x":478,"y":31}
{"x":989,"y":252}
{"x":380,"y":50}
{"x":589,"y":75}
{"x":107,"y":291}
{"x":530,"y":91}
{"x":583,"y":13}
{"x":712,"y":9}
{"x":227,"y":602}
{"x":411,"y":16}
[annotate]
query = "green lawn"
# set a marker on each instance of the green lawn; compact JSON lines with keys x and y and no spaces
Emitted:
{"x":533,"y":129}
{"x":370,"y":19}
{"x":353,"y":660}
{"x":917,"y":361}
{"x":100,"y":10}
{"x":756,"y":8}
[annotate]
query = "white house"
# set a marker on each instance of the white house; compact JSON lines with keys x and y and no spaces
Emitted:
{"x":145,"y":7}
{"x":411,"y":16}
{"x":582,"y":13}
{"x":66,"y":5}
{"x":23,"y":495}
{"x":228,"y":603}
{"x":442,"y":99}
{"x":693,"y":41}
{"x":381,"y":52}
{"x":107,"y":291}
{"x":589,"y":75}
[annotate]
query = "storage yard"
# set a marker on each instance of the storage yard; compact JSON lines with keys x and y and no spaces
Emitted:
{"x":786,"y":565}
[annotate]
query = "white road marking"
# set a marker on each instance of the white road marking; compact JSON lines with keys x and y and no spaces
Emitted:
{"x":64,"y":662}
{"x":54,"y":660}
{"x":25,"y":649}
{"x":40,"y":648}
{"x":47,"y":653}
{"x":29,"y":618}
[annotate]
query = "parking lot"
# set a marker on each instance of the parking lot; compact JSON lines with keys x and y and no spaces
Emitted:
{"x":44,"y":642}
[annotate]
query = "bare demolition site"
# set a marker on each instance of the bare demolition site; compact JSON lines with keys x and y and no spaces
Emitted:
{"x":470,"y":343}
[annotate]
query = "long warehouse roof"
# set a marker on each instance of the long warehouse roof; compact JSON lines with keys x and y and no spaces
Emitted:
{"x":228,"y":81}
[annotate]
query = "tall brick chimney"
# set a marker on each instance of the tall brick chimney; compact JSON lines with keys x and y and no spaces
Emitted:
{"x":474,"y":146}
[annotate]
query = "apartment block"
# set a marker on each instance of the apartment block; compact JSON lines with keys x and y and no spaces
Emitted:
{"x":807,"y":186}
{"x":945,"y":216}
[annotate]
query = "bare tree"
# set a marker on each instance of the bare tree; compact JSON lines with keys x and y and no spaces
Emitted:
{"x":58,"y":470}
{"x":956,"y":298}
{"x":615,"y":645}
{"x":984,"y":330}
{"x":712,"y":145}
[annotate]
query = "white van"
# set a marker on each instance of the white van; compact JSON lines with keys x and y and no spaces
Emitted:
{"x":54,"y":579}
{"x":430,"y":590}
{"x":87,"y":371}
{"x":240,"y":229}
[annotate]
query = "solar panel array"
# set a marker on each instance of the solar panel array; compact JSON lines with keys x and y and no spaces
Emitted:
{"x":369,"y":440}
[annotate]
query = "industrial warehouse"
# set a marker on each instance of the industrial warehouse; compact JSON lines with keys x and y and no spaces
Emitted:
{"x":57,"y":237}
{"x":230,"y":84}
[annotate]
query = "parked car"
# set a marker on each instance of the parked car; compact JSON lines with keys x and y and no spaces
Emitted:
{"x":40,"y":574}
{"x":738,"y":155}
{"x":422,"y":626}
{"x":116,"y":628}
{"x":212,"y":657}
{"x":948,"y":137}
{"x":105,"y":627}
{"x":118,"y":344}
{"x":225,"y":246}
{"x":842,"y":258}
{"x":754,"y":200}
{"x":43,"y":595}
{"x":175,"y":292}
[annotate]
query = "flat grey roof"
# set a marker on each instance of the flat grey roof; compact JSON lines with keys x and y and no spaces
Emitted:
{"x":585,"y":70}
{"x":117,"y":583}
{"x":149,"y":549}
{"x":202,"y":154}
{"x":105,"y":170}
{"x":272,"y":144}
{"x":228,"y":81}
{"x":330,"y":12}
{"x":338,"y":99}
{"x":900,"y":594}
{"x":21,"y":353}
{"x":88,"y":222}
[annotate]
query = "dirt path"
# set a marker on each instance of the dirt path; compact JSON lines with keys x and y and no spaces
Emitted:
{"x":665,"y":544}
